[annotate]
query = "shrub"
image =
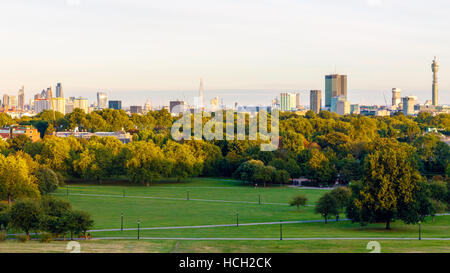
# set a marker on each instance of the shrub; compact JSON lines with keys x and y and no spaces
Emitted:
{"x":2,"y":236}
{"x":22,"y":238}
{"x":46,"y":237}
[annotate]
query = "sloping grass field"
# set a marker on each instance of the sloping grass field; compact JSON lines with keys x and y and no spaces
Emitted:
{"x":207,"y":201}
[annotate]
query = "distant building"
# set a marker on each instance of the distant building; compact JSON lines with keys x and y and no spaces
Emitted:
{"x":21,"y":99}
{"x":41,"y":105}
{"x":147,"y":106}
{"x":124,"y":137}
{"x":342,"y":106}
{"x":177,"y":106}
{"x":102,"y":100}
{"x":12,"y":101}
{"x":136,"y":109}
{"x":14,"y":131}
{"x":435,"y":68}
{"x":288,"y":101}
{"x":335,"y":86}
{"x":59,"y":91}
{"x":355,"y":109}
{"x":5,"y":101}
{"x":48,"y":93}
{"x":315,"y":100}
{"x":81,"y":103}
{"x":297,"y":101}
{"x":59,"y":104}
{"x":115,"y":104}
{"x":215,"y":103}
{"x":396,"y":98}
{"x":68,"y":108}
{"x":408,"y":105}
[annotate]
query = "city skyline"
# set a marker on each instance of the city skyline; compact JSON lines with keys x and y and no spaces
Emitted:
{"x":235,"y":46}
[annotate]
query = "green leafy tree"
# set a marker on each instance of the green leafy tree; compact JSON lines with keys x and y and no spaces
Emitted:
{"x":298,"y":200}
{"x":25,"y":215}
{"x":390,"y":179}
{"x":16,"y":180}
{"x":147,"y":163}
{"x":80,"y":222}
{"x":55,"y":217}
{"x":47,"y":180}
{"x":327,"y":206}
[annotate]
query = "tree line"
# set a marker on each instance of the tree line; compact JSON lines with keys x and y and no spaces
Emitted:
{"x":394,"y":154}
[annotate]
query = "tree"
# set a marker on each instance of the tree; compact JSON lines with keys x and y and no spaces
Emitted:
{"x":390,"y":180}
{"x":17,"y":143}
{"x":16,"y":180}
{"x":326,"y":206}
{"x":80,"y":222}
{"x":342,"y":196}
{"x":47,"y":180}
{"x":5,"y":216}
{"x":298,"y":200}
{"x":55,"y":215}
{"x":25,"y":215}
{"x":147,"y":162}
{"x":183,"y":161}
{"x":264,"y":174}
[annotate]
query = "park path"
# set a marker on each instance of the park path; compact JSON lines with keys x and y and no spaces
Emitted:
{"x":175,"y":198}
{"x":222,"y":225}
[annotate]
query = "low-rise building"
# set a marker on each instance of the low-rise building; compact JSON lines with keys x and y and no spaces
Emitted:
{"x":124,"y":137}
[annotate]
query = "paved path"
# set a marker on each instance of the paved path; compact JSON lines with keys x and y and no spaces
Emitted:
{"x":223,"y":225}
{"x":173,"y":198}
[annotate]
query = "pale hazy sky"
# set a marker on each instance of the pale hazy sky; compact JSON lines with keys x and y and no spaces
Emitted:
{"x":160,"y":49}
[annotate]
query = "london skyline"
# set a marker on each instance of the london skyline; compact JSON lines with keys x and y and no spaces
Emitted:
{"x":136,"y":50}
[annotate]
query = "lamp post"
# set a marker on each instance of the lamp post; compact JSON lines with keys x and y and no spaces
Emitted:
{"x":139,"y":223}
{"x":420,"y":235}
{"x":281,"y":230}
{"x":121,"y":221}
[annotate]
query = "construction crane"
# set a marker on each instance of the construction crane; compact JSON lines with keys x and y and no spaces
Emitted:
{"x":385,"y":101}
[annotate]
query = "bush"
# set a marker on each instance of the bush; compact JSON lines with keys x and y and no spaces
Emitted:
{"x":310,"y":183}
{"x":2,"y":236}
{"x":46,"y":237}
{"x":22,"y":238}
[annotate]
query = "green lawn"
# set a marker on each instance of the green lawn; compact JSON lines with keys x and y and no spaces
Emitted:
{"x":165,"y":212}
{"x":106,"y":210}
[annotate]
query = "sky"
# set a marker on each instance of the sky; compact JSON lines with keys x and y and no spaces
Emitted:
{"x":245,"y":50}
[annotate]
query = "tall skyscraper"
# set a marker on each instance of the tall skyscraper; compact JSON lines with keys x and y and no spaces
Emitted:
{"x":48,"y":93}
{"x":315,"y":100}
{"x":335,"y":86}
{"x":102,"y":100}
{"x":12,"y":102}
{"x":435,"y":68}
{"x":287,"y":101}
{"x":59,"y":91}
{"x":21,"y":99}
{"x":201,"y":90}
{"x":5,"y":100}
{"x":396,"y":97}
{"x":297,"y":101}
